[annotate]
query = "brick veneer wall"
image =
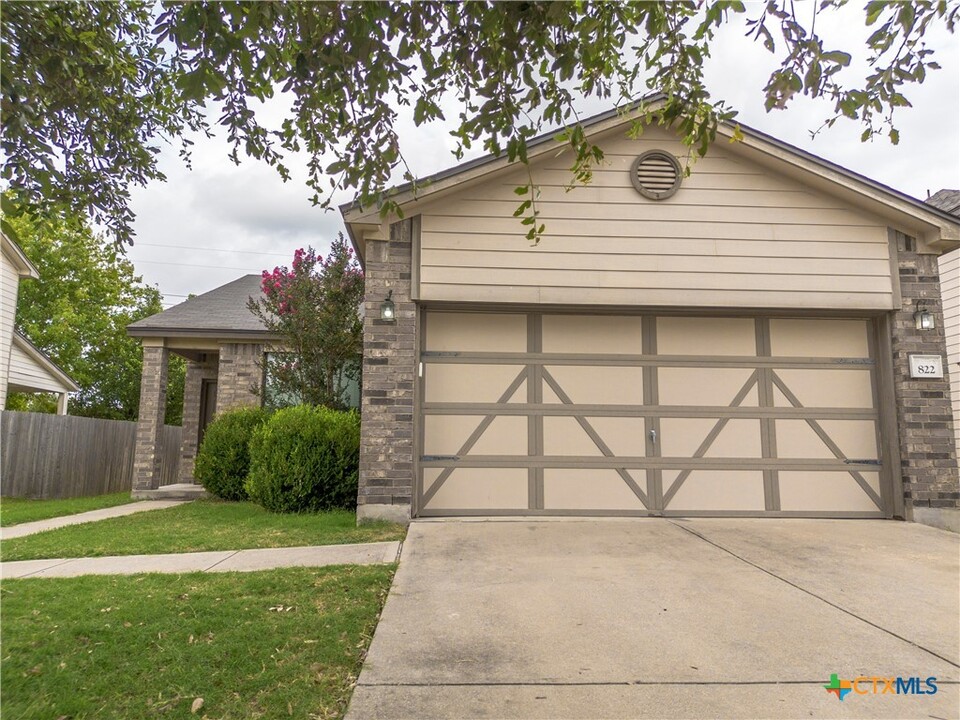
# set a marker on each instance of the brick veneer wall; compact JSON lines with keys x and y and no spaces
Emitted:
{"x":389,"y":366}
{"x":153,"y":406}
{"x":197,"y":372}
{"x":240,"y":380}
{"x":928,"y":450}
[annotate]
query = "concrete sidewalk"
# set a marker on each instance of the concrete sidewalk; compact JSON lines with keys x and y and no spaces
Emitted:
{"x":30,"y":528}
{"x":216,"y":561}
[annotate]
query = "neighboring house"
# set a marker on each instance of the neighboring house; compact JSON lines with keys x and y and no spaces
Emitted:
{"x":732,"y":343}
{"x":225,"y":346}
{"x":223,"y":343}
{"x":949,"y":201}
{"x":23,"y":366}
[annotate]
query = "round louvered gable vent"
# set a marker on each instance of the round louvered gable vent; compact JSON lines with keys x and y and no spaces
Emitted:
{"x":656,"y":174}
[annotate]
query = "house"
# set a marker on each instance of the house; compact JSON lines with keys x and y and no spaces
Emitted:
{"x":225,"y":347}
{"x":23,"y":366}
{"x":750,"y":340}
{"x":949,"y":201}
{"x":223,"y":344}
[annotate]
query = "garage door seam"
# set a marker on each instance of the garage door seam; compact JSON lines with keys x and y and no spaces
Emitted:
{"x":814,"y":595}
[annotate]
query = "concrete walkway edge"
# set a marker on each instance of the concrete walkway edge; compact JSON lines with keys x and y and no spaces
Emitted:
{"x":31,"y":528}
{"x":211,"y":561}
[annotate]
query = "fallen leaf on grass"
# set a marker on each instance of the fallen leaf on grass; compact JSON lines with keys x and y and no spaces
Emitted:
{"x":197,"y":704}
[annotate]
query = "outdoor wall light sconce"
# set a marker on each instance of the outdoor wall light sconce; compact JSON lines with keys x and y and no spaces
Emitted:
{"x":388,"y":310}
{"x":924,"y":318}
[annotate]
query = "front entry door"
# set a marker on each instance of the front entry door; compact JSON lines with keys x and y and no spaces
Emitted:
{"x":208,"y":405}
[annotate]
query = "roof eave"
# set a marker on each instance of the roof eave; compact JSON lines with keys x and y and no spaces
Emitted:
{"x":44,"y":360}
{"x":25,"y":268}
{"x":208,"y":333}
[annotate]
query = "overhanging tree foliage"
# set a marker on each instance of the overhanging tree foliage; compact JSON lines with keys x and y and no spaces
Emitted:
{"x":90,"y":90}
{"x":314,"y":309}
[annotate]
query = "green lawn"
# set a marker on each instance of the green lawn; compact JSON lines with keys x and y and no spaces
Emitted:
{"x":195,"y":526}
{"x":14,"y":511}
{"x":273,"y":644}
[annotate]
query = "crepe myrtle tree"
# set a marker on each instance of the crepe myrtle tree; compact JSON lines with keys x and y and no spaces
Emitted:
{"x":91,"y":90}
{"x":313,"y":307}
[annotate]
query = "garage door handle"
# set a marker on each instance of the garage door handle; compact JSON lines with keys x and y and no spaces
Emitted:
{"x":653,"y":436}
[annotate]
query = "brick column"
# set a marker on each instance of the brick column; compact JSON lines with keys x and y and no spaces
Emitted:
{"x":389,"y":366}
{"x":197,"y":372}
{"x":928,"y":450}
{"x":153,"y":405}
{"x":240,"y":380}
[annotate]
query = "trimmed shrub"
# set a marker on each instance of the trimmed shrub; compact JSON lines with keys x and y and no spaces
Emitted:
{"x":223,"y":461}
{"x":305,"y":459}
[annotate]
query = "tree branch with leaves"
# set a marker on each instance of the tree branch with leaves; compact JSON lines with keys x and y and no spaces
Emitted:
{"x":91,"y":91}
{"x":313,"y":308}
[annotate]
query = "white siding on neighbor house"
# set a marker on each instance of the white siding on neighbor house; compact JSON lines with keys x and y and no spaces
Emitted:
{"x":9,"y":282}
{"x":734,"y":235}
{"x":950,"y":292}
{"x":26,"y":373}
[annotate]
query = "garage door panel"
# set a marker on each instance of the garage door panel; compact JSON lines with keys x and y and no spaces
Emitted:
{"x":476,"y":332}
{"x":713,"y":387}
{"x":834,"y":338}
{"x":565,"y":436}
{"x":706,"y":336}
{"x":713,"y":490}
{"x":824,"y":388}
{"x":581,"y":489}
{"x":597,"y":385}
{"x":625,"y":436}
{"x":856,"y":439}
{"x":465,"y":383}
{"x":478,"y":489}
{"x":683,"y":437}
{"x":446,"y":435}
{"x":597,"y":334}
{"x":827,"y":492}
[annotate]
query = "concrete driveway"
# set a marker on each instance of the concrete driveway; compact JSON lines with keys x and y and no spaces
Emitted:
{"x":657,"y":618}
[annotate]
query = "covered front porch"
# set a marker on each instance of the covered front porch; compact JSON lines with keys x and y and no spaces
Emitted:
{"x":223,"y":345}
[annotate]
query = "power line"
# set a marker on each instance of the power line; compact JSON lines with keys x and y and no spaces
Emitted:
{"x":193,"y":247}
{"x":208,"y":267}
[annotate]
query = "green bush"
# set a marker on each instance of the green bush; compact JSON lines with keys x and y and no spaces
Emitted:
{"x":305,"y":459}
{"x":223,"y":461}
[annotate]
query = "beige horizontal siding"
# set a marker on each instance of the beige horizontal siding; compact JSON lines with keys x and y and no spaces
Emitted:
{"x":24,"y":372}
{"x":624,"y":297}
{"x":950,"y":293}
{"x":735,"y":235}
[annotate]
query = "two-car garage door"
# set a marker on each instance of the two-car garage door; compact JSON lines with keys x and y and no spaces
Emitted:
{"x":534,"y":413}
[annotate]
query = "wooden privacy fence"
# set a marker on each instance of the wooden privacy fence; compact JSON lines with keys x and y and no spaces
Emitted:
{"x":63,"y":456}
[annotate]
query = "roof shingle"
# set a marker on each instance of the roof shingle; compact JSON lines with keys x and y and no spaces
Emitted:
{"x":223,"y":309}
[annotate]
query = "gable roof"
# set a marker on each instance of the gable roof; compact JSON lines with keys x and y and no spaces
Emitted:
{"x":933,"y":225}
{"x":43,"y":362}
{"x":946,"y":200}
{"x":222,"y":311}
{"x":25,"y":268}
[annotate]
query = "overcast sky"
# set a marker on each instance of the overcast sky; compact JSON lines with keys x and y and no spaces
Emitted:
{"x":206,"y":227}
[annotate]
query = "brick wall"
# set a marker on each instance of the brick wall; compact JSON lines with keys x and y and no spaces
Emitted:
{"x":153,"y":406}
{"x":389,"y":366}
{"x":924,"y":416}
{"x":241,"y":376}
{"x":197,"y":372}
